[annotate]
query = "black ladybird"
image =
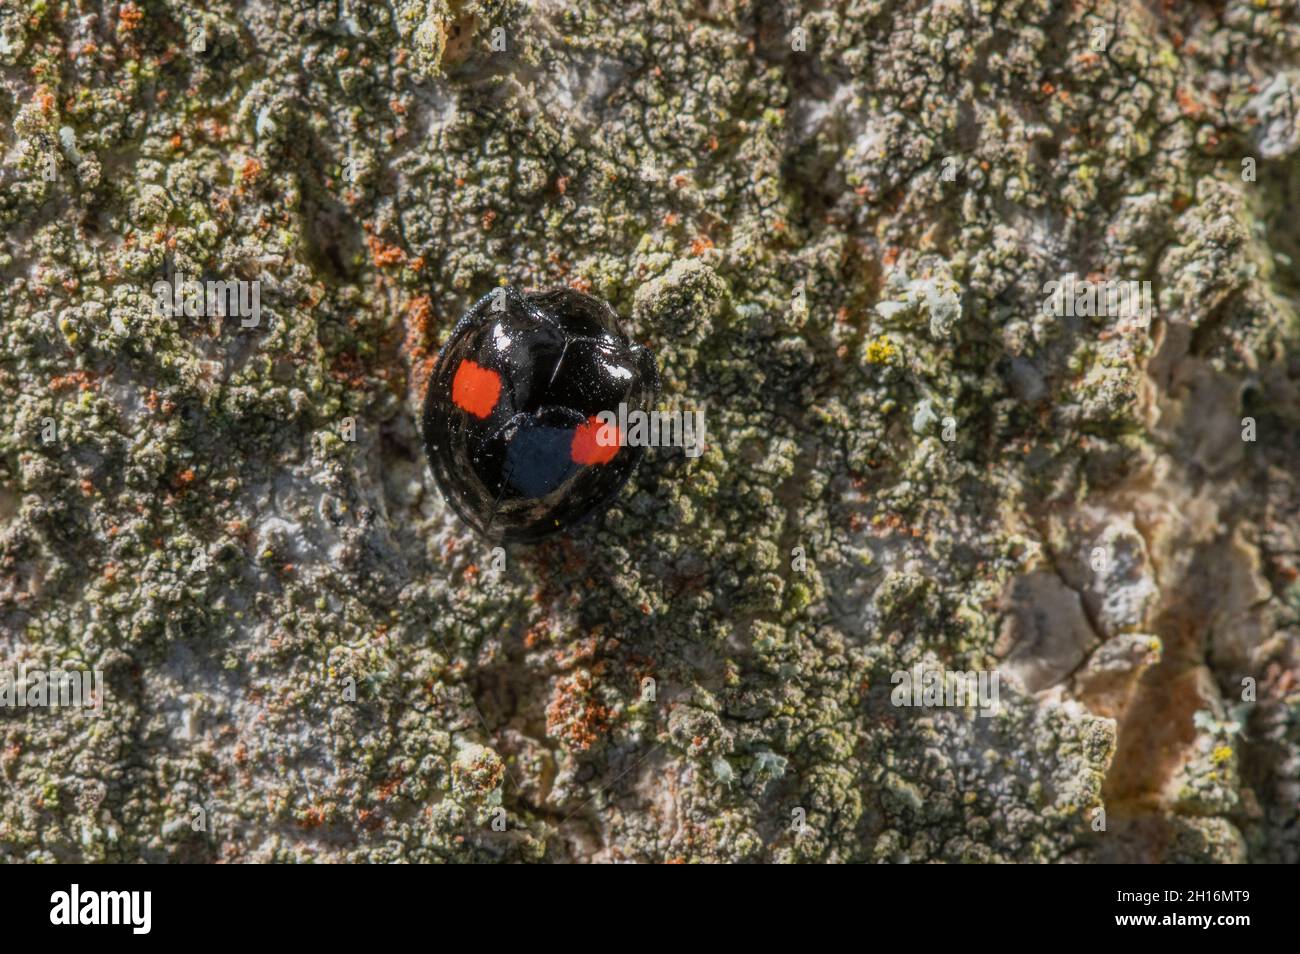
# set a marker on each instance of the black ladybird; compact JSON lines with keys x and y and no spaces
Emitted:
{"x":511,"y":425}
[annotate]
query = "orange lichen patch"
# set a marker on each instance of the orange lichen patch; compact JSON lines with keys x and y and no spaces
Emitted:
{"x":574,"y":715}
{"x":348,"y":368}
{"x":418,"y":342}
{"x":84,"y":380}
{"x":893,"y":523}
{"x":482,"y":775}
{"x":537,"y":634}
{"x":701,"y":244}
{"x":382,"y":253}
{"x":593,"y":443}
{"x":314,"y":295}
{"x":577,"y":651}
{"x":581,"y":283}
{"x":419,"y":346}
{"x":562,"y":185}
{"x":489,"y":217}
{"x":1188,"y":104}
{"x":670,"y":219}
{"x":129,"y":17}
{"x":250,"y":170}
{"x":475,"y":389}
{"x":214,"y":129}
{"x":185,"y":477}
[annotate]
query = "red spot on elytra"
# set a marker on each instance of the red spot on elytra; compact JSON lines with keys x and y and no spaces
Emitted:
{"x":475,"y":389}
{"x":587,"y":447}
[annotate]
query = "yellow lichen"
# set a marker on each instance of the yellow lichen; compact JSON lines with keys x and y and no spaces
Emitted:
{"x":881,"y":351}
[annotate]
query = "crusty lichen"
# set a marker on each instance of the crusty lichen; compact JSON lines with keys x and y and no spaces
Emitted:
{"x":834,"y":229}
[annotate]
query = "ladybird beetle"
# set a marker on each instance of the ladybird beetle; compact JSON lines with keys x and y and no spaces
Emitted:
{"x":510,"y":416}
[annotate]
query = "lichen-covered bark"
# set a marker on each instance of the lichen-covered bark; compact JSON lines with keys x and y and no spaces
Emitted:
{"x":833,"y":222}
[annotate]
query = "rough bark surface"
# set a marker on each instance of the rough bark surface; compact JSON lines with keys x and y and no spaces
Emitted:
{"x":834,"y":223}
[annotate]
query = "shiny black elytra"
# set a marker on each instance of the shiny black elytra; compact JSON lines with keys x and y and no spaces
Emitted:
{"x":510,"y":415}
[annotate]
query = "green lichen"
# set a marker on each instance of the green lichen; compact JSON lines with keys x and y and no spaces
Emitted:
{"x":837,"y":250}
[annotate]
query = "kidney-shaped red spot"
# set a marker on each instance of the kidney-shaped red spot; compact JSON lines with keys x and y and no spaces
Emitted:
{"x":475,"y":389}
{"x":587,"y":447}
